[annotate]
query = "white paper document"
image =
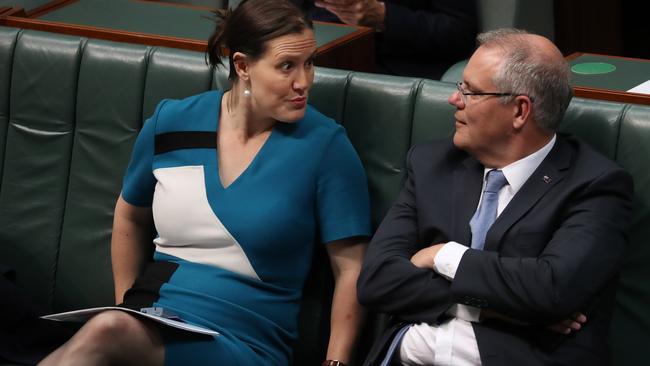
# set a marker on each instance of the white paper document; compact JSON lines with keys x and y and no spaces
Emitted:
{"x":85,"y":314}
{"x":643,"y":88}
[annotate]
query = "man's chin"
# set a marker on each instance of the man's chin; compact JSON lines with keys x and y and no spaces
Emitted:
{"x":458,"y":140}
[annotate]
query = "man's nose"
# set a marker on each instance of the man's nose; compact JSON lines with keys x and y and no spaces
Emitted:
{"x":456,"y":99}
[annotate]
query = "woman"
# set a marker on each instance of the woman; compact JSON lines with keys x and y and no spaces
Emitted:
{"x":237,"y":184}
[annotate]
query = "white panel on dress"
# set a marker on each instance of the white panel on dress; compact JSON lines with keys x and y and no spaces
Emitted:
{"x":188,"y":227}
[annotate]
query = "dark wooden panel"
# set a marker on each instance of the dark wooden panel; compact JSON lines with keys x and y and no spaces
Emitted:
{"x":588,"y":26}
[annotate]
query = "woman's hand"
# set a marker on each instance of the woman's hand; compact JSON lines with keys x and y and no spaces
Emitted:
{"x":369,"y":13}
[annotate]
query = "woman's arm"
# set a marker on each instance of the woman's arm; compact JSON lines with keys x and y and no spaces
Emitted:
{"x":130,"y":244}
{"x":347,"y":315}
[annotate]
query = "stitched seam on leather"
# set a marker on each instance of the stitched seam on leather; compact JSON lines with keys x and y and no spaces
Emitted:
{"x":416,"y":91}
{"x":145,"y":77}
{"x":346,"y":88}
{"x":11,"y":71}
{"x":621,"y":119}
{"x":81,"y":49}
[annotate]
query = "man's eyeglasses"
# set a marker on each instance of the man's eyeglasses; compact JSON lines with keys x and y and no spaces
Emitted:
{"x":464,"y":93}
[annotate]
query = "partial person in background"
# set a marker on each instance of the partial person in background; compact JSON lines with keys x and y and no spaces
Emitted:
{"x":241,"y":185}
{"x":420,"y":38}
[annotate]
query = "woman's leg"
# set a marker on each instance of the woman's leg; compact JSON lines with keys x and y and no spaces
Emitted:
{"x":111,"y":338}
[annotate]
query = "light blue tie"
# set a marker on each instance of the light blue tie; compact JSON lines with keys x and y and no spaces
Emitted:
{"x":487,"y":211}
{"x":397,"y":340}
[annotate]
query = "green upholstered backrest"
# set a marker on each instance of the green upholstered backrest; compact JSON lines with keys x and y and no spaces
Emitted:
{"x":70,"y":109}
{"x":455,"y":72}
{"x":37,"y":159}
{"x":7,"y":44}
{"x":631,"y":324}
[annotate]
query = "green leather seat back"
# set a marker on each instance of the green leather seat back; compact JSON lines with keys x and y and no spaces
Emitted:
{"x":175,"y":74}
{"x":329,"y":91}
{"x":595,"y":122}
{"x":7,"y":44}
{"x":377,"y":116}
{"x":108,"y":110}
{"x":455,"y":72}
{"x":37,"y":158}
{"x":630,"y":333}
{"x":433,"y":116}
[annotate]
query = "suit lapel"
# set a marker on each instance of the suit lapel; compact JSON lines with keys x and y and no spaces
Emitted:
{"x":467,"y":185}
{"x":549,"y":173}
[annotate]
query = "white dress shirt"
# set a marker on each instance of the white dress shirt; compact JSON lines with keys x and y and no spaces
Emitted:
{"x":454,"y":342}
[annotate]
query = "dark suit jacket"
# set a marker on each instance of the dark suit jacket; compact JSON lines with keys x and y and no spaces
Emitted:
{"x":422,"y":38}
{"x":553,"y":251}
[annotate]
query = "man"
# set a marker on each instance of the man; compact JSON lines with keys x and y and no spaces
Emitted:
{"x":413,"y":38}
{"x":503,"y":246}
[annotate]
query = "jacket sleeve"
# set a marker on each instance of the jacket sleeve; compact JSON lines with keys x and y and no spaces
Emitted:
{"x":389,"y":283}
{"x":583,"y":255}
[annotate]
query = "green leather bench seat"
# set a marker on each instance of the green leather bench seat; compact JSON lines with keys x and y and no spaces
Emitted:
{"x":70,"y":109}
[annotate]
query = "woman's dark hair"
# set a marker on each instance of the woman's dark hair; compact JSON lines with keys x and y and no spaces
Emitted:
{"x":250,"y":26}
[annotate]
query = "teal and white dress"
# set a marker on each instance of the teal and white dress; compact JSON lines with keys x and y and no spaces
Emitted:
{"x":234,"y":259}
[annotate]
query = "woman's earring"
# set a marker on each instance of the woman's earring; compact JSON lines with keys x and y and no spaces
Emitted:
{"x":247,"y":93}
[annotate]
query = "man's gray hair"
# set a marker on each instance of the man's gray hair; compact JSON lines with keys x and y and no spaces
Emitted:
{"x":526,"y":72}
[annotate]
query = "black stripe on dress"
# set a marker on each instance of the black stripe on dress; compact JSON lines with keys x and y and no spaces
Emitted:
{"x":170,"y":141}
{"x":146,"y":289}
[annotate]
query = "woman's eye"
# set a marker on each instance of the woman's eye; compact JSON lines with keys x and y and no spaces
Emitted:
{"x":286,"y":66}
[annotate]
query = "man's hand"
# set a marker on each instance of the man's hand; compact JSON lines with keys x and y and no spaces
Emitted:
{"x":369,"y":13}
{"x":424,"y":257}
{"x":572,"y":324}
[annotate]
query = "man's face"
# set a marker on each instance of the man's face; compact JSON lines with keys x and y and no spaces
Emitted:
{"x":483,"y":123}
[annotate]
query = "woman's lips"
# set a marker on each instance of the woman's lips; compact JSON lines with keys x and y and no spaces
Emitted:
{"x":299,"y":102}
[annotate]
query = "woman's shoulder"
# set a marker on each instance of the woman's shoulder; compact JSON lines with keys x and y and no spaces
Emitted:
{"x":317,"y":124}
{"x":194,"y":113}
{"x":197,"y":102}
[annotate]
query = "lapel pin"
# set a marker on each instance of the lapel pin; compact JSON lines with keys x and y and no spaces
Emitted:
{"x":546,"y":179}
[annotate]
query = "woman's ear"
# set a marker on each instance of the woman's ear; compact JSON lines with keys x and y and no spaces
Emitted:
{"x":241,"y":63}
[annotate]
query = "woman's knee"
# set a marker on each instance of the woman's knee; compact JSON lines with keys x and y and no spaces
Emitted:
{"x":105,"y":337}
{"x":110,"y":328}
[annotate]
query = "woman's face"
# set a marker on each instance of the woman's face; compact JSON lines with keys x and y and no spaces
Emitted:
{"x":280,"y":80}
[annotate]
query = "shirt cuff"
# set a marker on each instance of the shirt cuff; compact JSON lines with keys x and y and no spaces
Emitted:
{"x":448,"y":258}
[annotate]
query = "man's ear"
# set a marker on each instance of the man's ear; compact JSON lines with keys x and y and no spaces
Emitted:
{"x":522,"y":111}
{"x":241,"y":63}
